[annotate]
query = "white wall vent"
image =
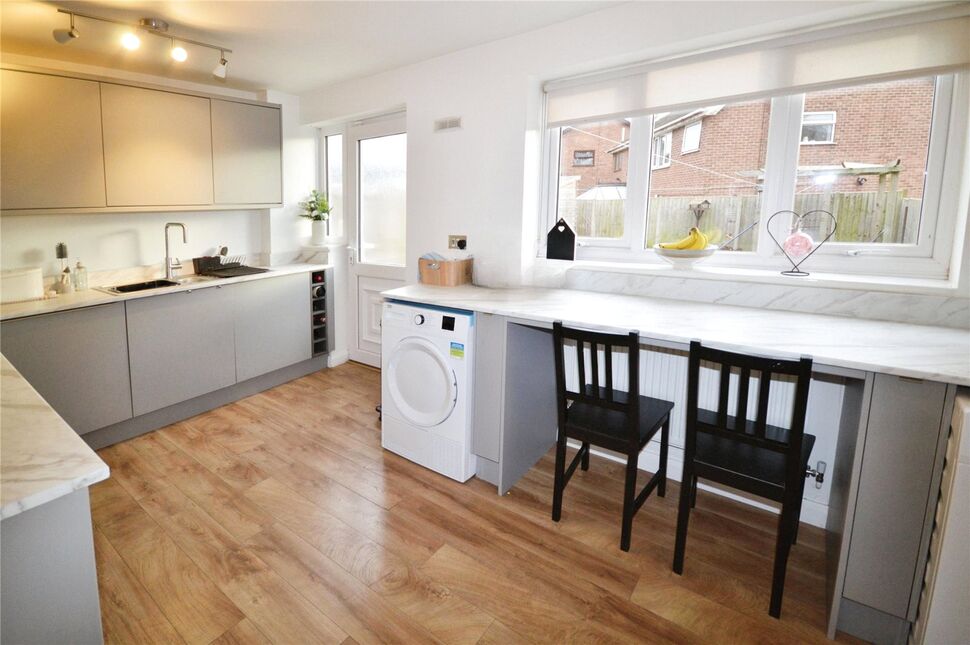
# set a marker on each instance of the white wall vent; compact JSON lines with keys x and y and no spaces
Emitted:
{"x":447,"y":123}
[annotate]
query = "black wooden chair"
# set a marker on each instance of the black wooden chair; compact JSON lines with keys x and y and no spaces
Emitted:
{"x":751,"y":456}
{"x":607,"y":418}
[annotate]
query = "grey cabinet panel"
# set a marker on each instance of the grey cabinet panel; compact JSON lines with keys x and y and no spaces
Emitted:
{"x":271,"y":318}
{"x":489,"y":385}
{"x":181,"y":346}
{"x":157,"y":147}
{"x":902,"y":441}
{"x":77,"y":360}
{"x":51,"y":150}
{"x":246,"y":153}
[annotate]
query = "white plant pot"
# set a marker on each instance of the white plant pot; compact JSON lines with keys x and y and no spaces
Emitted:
{"x":318,"y":235}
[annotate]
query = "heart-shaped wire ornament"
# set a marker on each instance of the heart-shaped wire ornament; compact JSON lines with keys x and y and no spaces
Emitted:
{"x":797,"y":237}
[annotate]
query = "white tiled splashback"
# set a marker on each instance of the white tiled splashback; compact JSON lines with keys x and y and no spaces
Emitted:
{"x":854,"y":303}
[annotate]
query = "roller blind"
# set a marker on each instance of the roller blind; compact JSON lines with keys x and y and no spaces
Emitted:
{"x":763,"y":70}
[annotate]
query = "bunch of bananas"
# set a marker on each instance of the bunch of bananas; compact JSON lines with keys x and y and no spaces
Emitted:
{"x":694,"y":241}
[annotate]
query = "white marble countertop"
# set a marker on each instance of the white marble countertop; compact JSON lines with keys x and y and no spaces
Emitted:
{"x":94,"y":296}
{"x":917,"y":351}
{"x":41,"y":457}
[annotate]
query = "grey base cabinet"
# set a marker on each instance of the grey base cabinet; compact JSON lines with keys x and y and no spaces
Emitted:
{"x":77,"y":360}
{"x":271,"y":323}
{"x":181,"y":346}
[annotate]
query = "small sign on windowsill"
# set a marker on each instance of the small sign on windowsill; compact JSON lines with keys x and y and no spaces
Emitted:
{"x":561,"y":242}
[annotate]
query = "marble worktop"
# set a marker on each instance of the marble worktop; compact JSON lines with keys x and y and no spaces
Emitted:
{"x":41,"y":457}
{"x":916,"y":351}
{"x":95,"y":296}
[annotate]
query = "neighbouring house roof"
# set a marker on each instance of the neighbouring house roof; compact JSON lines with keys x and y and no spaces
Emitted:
{"x":606,"y":192}
{"x":669,"y":121}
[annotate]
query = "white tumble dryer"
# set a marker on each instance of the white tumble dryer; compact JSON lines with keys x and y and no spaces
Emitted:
{"x":427,"y":359}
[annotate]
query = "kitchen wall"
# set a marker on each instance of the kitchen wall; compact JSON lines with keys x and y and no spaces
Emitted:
{"x":483,"y":180}
{"x":122,"y":240}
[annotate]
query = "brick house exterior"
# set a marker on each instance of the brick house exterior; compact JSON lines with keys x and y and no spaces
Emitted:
{"x":874,"y":124}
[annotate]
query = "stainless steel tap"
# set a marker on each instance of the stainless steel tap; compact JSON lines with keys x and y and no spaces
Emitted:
{"x":170,"y":266}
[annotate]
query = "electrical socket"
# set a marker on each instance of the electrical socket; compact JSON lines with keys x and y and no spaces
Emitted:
{"x":454,"y":240}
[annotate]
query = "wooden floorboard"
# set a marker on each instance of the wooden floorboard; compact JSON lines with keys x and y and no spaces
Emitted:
{"x":280,"y":519}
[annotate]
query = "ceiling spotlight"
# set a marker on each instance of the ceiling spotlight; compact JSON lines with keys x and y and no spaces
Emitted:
{"x":223,"y":67}
{"x":64,"y":36}
{"x":130,"y":41}
{"x":178,"y":53}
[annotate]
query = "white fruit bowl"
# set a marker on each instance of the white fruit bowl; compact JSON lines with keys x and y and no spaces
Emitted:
{"x":684,"y":258}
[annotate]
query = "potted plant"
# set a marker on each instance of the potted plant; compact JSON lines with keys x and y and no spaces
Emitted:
{"x":317,"y":209}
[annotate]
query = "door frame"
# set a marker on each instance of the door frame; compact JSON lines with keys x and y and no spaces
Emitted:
{"x":363,"y":315}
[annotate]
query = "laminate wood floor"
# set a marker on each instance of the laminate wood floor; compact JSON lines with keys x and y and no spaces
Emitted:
{"x":279,"y":519}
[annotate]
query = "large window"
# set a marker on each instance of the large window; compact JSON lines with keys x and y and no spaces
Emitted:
{"x":879,"y":170}
{"x":334,"y":178}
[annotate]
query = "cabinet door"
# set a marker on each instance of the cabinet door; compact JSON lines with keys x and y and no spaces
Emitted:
{"x":898,"y":460}
{"x":246,"y":153}
{"x":157,"y":147}
{"x":181,"y":347}
{"x":77,"y":360}
{"x":51,"y":148}
{"x":272,"y":324}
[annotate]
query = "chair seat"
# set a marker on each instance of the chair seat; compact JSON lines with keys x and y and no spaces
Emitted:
{"x":611,"y":424}
{"x":755,"y":462}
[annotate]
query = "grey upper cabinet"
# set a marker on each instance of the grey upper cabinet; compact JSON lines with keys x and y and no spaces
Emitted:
{"x":246,"y":158}
{"x":271,"y":319}
{"x":157,"y":147}
{"x":181,"y":346}
{"x":77,"y":360}
{"x":50,"y":150}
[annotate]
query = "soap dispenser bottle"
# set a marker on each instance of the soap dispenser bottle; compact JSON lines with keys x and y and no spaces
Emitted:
{"x":80,"y":276}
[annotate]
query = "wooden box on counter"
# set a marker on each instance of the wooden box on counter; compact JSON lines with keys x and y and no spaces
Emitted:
{"x":445,"y":273}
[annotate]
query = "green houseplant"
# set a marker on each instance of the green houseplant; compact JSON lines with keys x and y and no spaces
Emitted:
{"x":316,"y":208}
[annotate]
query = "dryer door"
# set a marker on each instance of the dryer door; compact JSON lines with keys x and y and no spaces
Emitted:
{"x":422,"y":385}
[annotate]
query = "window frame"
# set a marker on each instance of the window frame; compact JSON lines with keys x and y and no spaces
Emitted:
{"x":669,"y":137}
{"x":818,"y":143}
{"x":699,"y":124}
{"x":945,"y":196}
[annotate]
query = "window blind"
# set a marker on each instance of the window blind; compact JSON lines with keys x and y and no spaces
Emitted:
{"x":750,"y":71}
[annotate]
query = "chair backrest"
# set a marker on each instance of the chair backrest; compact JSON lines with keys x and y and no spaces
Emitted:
{"x":736,"y":426}
{"x":590,"y":390}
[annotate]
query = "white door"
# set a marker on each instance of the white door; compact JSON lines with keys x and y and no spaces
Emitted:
{"x":377,"y":156}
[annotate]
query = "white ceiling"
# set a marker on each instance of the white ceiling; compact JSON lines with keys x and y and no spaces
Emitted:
{"x":288,"y":46}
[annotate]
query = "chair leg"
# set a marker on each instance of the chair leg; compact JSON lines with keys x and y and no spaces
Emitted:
{"x":683,"y":515}
{"x":786,"y":530}
{"x":629,"y":501}
{"x":693,"y":492}
{"x":584,"y":464}
{"x":798,"y":510}
{"x":559,"y":480}
{"x":664,"y":438}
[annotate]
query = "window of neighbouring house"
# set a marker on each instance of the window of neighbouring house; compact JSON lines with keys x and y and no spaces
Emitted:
{"x":873,"y":182}
{"x":691,"y":138}
{"x":584,"y":158}
{"x":818,"y":127}
{"x":661,"y":150}
{"x":591,"y":196}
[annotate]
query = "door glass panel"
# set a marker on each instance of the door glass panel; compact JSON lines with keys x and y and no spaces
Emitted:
{"x":383,"y":173}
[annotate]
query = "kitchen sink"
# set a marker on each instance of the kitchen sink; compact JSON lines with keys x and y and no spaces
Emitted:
{"x":141,"y":286}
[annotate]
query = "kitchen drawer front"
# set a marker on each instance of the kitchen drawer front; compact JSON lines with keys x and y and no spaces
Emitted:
{"x":898,"y":465}
{"x":271,"y":319}
{"x":77,"y":360}
{"x":181,"y":347}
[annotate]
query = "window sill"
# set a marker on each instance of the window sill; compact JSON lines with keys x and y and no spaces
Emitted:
{"x":889,"y":284}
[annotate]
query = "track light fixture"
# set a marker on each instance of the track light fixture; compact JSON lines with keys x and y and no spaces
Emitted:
{"x":223,"y":67}
{"x":154,"y":26}
{"x":64,"y":36}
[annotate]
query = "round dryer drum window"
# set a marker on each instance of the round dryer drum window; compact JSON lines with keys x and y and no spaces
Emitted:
{"x":421,"y":383}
